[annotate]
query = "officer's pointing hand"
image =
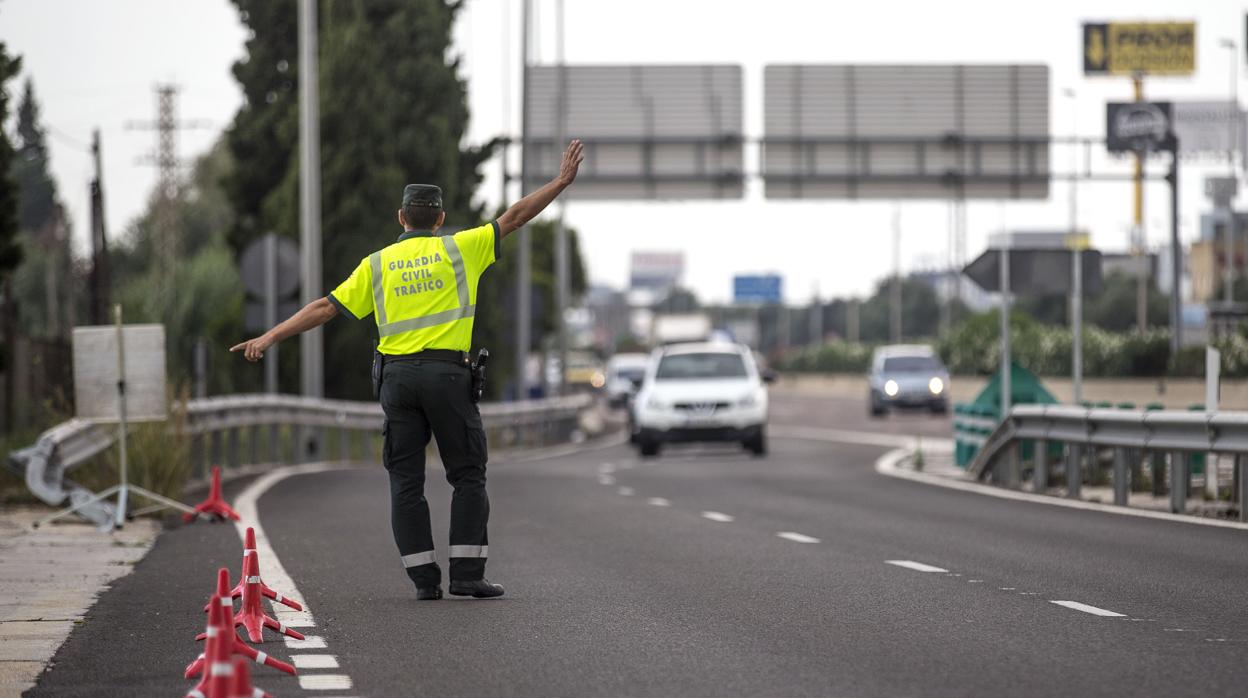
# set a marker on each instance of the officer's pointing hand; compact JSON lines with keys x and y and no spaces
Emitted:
{"x":572,"y":158}
{"x":253,"y":349}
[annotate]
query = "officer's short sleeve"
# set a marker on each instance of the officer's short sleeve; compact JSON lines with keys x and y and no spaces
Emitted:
{"x":480,"y":245}
{"x":355,"y":295}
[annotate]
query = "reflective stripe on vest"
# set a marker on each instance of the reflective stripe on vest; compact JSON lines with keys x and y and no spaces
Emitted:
{"x":466,"y":309}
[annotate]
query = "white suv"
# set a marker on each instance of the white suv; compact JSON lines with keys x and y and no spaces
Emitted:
{"x":701,"y":392}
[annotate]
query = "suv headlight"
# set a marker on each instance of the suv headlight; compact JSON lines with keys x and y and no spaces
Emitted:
{"x":750,"y":400}
{"x":891,"y":387}
{"x":655,"y":403}
{"x":936,"y":385}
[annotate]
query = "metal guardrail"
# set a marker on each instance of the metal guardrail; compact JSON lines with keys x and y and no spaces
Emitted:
{"x":217,"y":427}
{"x":1168,"y":442}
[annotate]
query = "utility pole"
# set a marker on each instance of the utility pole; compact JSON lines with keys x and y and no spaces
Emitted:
{"x":1232,"y":120}
{"x":524,"y":292}
{"x":100,"y":281}
{"x":1076,"y":243}
{"x":311,"y":343}
{"x":1138,"y":246}
{"x":895,"y":289}
{"x":561,"y":233}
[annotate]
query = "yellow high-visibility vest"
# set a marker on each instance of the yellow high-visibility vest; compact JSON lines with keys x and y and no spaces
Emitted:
{"x":422,"y":290}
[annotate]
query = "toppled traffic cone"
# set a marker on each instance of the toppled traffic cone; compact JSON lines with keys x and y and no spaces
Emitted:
{"x":242,"y":683}
{"x":249,"y":551}
{"x":214,"y":507}
{"x":252,"y":616}
{"x":222,"y":644}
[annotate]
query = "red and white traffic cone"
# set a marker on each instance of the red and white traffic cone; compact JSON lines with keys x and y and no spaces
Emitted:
{"x":216,"y":653}
{"x":222,"y":594}
{"x":223,"y":643}
{"x":249,"y":550}
{"x":252,"y":616}
{"x":214,"y":507}
{"x":242,"y":683}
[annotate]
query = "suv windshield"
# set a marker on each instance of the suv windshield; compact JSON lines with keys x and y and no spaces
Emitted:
{"x":912,"y":364}
{"x":631,"y":373}
{"x":694,"y":366}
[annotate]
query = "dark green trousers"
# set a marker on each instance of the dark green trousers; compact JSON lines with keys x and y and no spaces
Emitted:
{"x":422,"y":399}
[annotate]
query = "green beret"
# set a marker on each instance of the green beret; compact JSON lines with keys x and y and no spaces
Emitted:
{"x":422,"y":195}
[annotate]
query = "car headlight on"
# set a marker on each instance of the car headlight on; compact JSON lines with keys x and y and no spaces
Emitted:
{"x":598,"y":380}
{"x":936,"y":385}
{"x":891,"y":388}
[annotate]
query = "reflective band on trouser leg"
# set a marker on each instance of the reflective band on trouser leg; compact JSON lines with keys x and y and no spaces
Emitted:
{"x":420,"y":323}
{"x":379,"y":289}
{"x":470,"y":551}
{"x":416,"y":559}
{"x":457,"y":263}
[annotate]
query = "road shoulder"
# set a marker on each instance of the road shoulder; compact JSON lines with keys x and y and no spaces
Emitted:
{"x":51,"y":576}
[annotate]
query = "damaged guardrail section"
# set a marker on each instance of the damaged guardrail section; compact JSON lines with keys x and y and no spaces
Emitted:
{"x":272,"y":427}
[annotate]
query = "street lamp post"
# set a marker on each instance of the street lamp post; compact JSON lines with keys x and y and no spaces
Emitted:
{"x":1076,"y":256}
{"x":1232,"y":142}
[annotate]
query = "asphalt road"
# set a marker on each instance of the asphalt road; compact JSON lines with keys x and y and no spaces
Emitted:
{"x":708,"y":572}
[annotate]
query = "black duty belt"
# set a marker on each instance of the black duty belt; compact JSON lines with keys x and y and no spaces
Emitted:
{"x":455,"y":357}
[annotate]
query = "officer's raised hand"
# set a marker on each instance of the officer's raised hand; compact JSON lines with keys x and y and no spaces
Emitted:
{"x":527,"y":208}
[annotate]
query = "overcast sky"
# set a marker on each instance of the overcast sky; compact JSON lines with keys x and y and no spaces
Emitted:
{"x":95,"y":64}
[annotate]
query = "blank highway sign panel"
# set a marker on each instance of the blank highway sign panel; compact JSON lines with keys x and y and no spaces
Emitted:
{"x":95,"y":373}
{"x":906,"y":131}
{"x":650,"y":132}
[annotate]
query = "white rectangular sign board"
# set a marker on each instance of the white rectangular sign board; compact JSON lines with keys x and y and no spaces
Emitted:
{"x":95,"y":373}
{"x":1204,"y":127}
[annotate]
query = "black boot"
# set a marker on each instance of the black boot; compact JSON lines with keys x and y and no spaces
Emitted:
{"x":428,"y":593}
{"x":477,"y":588}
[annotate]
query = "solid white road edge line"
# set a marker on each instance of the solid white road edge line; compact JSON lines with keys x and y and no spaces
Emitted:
{"x":718,"y":516}
{"x":887,"y":464}
{"x":1089,"y":609}
{"x":797,"y":537}
{"x":275,"y":574}
{"x":917,"y":566}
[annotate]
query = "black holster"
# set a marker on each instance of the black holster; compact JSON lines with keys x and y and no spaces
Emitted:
{"x":478,"y":374}
{"x":379,"y":366}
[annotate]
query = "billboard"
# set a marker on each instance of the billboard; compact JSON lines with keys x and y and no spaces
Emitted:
{"x":1127,"y":48}
{"x":766,"y":289}
{"x":656,"y":271}
{"x":906,"y":131}
{"x":1137,"y":126}
{"x":1208,"y":128}
{"x":650,"y":131}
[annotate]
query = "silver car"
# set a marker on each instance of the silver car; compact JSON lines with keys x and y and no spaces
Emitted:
{"x":907,"y":375}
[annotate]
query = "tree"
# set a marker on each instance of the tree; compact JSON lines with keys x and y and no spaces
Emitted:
{"x":393,"y":111}
{"x":45,"y":283}
{"x":10,"y":250}
{"x":1113,"y":309}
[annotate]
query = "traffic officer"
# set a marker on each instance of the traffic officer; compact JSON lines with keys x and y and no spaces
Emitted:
{"x":422,"y":292}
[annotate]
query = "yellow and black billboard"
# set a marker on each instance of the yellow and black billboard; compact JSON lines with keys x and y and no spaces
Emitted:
{"x":1150,"y":48}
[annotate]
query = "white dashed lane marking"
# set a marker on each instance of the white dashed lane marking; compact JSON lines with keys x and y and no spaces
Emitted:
{"x":325,"y":682}
{"x":606,"y":480}
{"x":627,"y":491}
{"x":919,"y":566}
{"x":1089,"y":609}
{"x":314,"y":661}
{"x":309,"y":642}
{"x":797,"y":537}
{"x":717,"y":516}
{"x":658,"y":502}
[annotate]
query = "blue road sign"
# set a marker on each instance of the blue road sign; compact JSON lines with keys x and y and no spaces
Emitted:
{"x":760,"y":288}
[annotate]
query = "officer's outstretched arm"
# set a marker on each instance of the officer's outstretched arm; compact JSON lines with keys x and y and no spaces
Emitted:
{"x":526,"y":209}
{"x":314,"y":314}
